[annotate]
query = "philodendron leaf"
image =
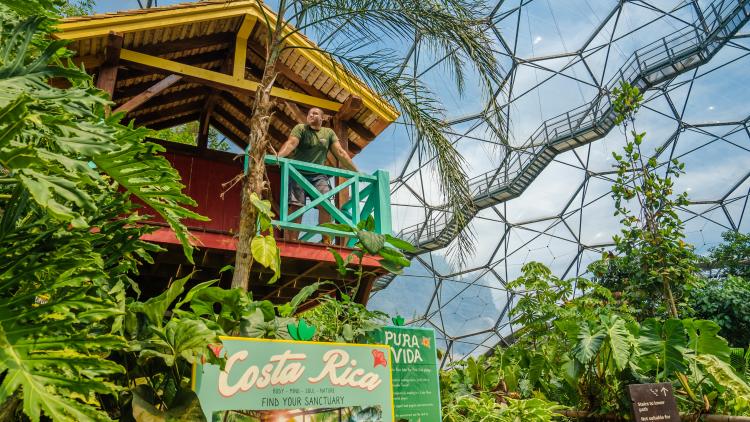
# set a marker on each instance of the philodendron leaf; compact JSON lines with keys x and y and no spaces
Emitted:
{"x":155,"y":307}
{"x":341,"y":263}
{"x":347,"y":333}
{"x":372,"y":242}
{"x":262,"y":205}
{"x":724,"y":375}
{"x":589,"y":343}
{"x":704,"y":338}
{"x":391,"y":267}
{"x":665,"y":342}
{"x":185,"y":338}
{"x":400,"y":244}
{"x":288,"y":309}
{"x":185,"y":407}
{"x":266,"y":253}
{"x":394,"y":256}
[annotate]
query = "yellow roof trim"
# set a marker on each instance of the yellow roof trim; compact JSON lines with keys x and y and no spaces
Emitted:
{"x":352,"y":84}
{"x":81,"y":29}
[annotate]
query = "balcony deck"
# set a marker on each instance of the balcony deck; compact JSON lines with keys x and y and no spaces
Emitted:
{"x":303,"y":262}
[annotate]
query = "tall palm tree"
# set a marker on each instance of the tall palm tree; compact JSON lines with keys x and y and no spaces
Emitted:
{"x":347,"y":30}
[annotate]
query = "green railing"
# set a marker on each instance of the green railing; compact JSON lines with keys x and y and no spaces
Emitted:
{"x":368,"y":195}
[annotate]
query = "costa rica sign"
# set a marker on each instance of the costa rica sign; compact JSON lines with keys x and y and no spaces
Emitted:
{"x":287,"y":380}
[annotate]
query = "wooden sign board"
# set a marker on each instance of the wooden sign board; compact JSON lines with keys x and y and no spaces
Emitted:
{"x":653,"y":402}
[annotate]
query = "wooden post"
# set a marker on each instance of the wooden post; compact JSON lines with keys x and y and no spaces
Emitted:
{"x":341,"y":128}
{"x":204,"y":121}
{"x":107,"y":76}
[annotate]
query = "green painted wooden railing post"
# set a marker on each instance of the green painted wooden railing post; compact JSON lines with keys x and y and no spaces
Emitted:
{"x":284,"y":191}
{"x":376,"y":197}
{"x":383,"y":203}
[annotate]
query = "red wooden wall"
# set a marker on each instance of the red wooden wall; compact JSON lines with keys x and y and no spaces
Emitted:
{"x":203,"y":179}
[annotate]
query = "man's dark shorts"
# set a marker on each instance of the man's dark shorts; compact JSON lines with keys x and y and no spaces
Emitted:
{"x":297,"y":195}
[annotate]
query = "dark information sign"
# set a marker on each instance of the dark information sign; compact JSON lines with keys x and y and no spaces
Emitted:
{"x":653,"y":402}
{"x":416,"y":386}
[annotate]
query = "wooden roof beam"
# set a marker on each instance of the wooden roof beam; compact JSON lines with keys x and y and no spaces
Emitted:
{"x":229,"y":133}
{"x":174,"y":46}
{"x":170,"y":121}
{"x":149,"y":93}
{"x":185,"y":96}
{"x":349,"y":108}
{"x":165,"y":113}
{"x":219,"y":80}
{"x":240,"y":46}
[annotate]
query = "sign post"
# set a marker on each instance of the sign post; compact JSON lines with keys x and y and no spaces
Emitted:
{"x":273,"y":380}
{"x":416,"y":382}
{"x":653,"y":402}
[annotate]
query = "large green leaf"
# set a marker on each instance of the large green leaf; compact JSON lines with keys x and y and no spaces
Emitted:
{"x":139,"y":169}
{"x":288,"y":309}
{"x":266,"y":253}
{"x":185,"y":408}
{"x":704,"y":338}
{"x":156,"y":307}
{"x":589,"y":342}
{"x":621,"y":341}
{"x":664,"y":342}
{"x":400,"y":244}
{"x":180,"y":338}
{"x":52,"y":192}
{"x":724,"y":376}
{"x":372,"y":242}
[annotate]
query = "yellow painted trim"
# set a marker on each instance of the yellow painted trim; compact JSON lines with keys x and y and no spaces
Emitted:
{"x":223,"y":79}
{"x":240,"y":46}
{"x":300,"y":341}
{"x":74,"y":30}
{"x":334,"y":70}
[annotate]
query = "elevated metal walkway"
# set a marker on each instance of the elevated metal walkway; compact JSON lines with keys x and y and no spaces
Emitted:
{"x":657,"y":62}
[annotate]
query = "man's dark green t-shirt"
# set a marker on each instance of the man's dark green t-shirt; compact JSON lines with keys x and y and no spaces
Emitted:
{"x":313,"y":144}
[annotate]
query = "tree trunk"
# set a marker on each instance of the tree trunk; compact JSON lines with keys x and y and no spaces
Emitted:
{"x":254,"y":181}
{"x":670,"y":299}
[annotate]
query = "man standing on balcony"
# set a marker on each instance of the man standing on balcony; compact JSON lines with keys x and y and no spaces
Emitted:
{"x":311,"y":142}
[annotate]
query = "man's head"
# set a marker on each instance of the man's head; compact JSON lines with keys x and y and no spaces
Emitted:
{"x":315,"y":118}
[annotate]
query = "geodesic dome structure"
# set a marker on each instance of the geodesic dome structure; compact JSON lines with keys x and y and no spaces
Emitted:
{"x":545,"y":195}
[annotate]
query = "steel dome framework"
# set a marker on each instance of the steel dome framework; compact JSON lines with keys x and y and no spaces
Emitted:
{"x":545,"y":194}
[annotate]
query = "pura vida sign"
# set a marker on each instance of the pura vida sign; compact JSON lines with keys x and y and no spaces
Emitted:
{"x":416,"y":384}
{"x":288,"y":380}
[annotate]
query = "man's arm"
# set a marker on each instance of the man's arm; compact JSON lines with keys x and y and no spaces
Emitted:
{"x":289,"y":146}
{"x":343,"y":156}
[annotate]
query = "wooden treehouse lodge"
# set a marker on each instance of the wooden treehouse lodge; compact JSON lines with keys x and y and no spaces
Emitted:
{"x":200,"y":62}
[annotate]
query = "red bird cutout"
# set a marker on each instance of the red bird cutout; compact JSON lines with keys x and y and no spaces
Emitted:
{"x":378,"y":358}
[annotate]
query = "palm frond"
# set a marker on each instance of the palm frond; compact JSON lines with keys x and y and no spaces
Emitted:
{"x":451,"y":31}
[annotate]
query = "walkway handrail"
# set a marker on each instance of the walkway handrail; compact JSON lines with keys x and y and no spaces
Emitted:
{"x":369,"y":194}
{"x":648,"y":66}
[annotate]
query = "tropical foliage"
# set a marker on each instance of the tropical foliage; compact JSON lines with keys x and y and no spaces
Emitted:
{"x":69,"y":241}
{"x":724,"y":295}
